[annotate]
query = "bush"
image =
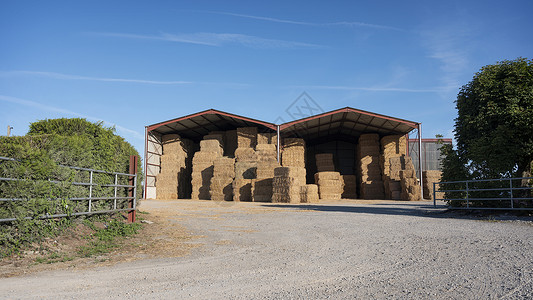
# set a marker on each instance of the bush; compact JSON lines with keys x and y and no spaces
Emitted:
{"x":48,"y":145}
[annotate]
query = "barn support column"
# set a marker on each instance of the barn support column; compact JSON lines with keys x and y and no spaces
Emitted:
{"x":278,"y":146}
{"x":419,"y":125}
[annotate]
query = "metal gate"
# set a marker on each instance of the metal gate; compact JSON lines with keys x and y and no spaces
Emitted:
{"x":121,"y":188}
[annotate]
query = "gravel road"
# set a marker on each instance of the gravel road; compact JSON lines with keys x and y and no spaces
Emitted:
{"x":337,"y":250}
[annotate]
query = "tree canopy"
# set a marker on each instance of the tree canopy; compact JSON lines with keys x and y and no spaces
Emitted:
{"x":494,"y":127}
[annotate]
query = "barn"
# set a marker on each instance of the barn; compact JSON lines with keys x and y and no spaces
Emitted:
{"x":340,"y":136}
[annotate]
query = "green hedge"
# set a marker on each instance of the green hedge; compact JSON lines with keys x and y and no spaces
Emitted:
{"x":49,"y":144}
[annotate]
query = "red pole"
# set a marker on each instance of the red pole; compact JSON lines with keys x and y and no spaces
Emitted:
{"x":131,"y":192}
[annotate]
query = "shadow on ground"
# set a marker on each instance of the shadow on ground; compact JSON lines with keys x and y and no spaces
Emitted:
{"x":422,"y":210}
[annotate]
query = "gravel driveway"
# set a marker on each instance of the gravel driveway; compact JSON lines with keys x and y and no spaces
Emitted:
{"x":337,"y":250}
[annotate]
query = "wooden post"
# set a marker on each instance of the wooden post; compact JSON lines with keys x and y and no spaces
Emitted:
{"x":132,"y":190}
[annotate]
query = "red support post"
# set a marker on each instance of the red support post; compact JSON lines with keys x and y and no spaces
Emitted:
{"x":131,"y":192}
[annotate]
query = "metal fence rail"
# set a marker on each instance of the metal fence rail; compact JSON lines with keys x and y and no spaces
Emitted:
{"x":470,"y":193}
{"x":90,"y":185}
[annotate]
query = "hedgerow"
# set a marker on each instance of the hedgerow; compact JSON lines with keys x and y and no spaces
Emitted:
{"x":41,"y":156}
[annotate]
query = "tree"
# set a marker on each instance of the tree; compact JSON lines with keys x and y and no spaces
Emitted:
{"x":494,"y":127}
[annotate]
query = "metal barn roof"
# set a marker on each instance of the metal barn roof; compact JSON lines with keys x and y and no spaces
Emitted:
{"x":345,"y":124}
{"x":341,"y":124}
{"x":195,"y":126}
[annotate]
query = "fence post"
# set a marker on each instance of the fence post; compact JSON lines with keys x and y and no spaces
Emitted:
{"x":90,"y":191}
{"x":511,"y":191}
{"x":131,"y":193}
{"x":467,"y":196}
{"x":434,"y":195}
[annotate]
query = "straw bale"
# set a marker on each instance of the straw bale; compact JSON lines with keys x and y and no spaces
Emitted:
{"x":430,"y":177}
{"x":230,"y":143}
{"x":369,"y":137}
{"x":407,"y":174}
{"x":293,"y":142}
{"x":245,"y":155}
{"x":372,"y":190}
{"x":394,"y":185}
{"x":266,"y":147}
{"x":266,"y":169}
{"x":245,"y":170}
{"x":350,"y":187}
{"x":262,"y":190}
{"x":242,"y":190}
{"x":246,"y":137}
{"x":309,"y":193}
{"x":215,"y":135}
{"x":324,"y":156}
{"x":267,"y":138}
{"x":295,"y":172}
{"x":396,"y":195}
{"x":213,"y":146}
{"x":319,"y":176}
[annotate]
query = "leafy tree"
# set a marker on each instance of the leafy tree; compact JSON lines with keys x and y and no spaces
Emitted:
{"x":494,"y":127}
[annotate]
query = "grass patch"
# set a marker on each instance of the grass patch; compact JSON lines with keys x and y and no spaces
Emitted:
{"x":108,"y":238}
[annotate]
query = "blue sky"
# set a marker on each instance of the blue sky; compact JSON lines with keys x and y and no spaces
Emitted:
{"x":133,"y":63}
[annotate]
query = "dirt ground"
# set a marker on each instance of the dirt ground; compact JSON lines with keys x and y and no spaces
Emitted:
{"x":159,"y":237}
{"x":338,"y":249}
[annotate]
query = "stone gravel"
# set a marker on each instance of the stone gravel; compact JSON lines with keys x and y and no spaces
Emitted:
{"x":337,"y":250}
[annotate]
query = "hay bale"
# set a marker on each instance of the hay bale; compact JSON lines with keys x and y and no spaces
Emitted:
{"x":262,"y":190}
{"x":430,"y":177}
{"x":410,"y":189}
{"x":230,"y":143}
{"x":245,"y":170}
{"x":246,"y":137}
{"x":211,"y":146}
{"x":245,"y":155}
{"x":173,"y":181}
{"x":324,"y":162}
{"x":242,"y":190}
{"x":215,"y":135}
{"x":372,"y":190}
{"x":330,"y":185}
{"x":293,"y":154}
{"x":309,"y":193}
{"x":267,"y":138}
{"x":221,"y":184}
{"x":286,"y":184}
{"x":350,"y":187}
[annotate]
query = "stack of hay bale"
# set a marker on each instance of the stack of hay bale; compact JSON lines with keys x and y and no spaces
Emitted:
{"x":350,"y":187}
{"x":287,"y":183}
{"x":429,"y":177}
{"x":368,"y":153}
{"x":309,"y":193}
{"x":266,"y":163}
{"x":203,"y":167}
{"x":230,"y":143}
{"x":221,"y":188}
{"x":330,"y":185}
{"x":267,"y":138}
{"x":245,"y":163}
{"x":396,"y":164}
{"x":392,"y":146}
{"x":324,"y":162}
{"x":293,"y":154}
{"x":410,"y":189}
{"x":173,"y":180}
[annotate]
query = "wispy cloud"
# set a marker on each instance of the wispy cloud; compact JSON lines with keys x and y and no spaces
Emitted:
{"x":448,"y":45}
{"x":61,"y":76}
{"x":215,"y":39}
{"x":371,"y":89}
{"x":43,"y":107}
{"x":78,"y":77}
{"x":276,"y":20}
